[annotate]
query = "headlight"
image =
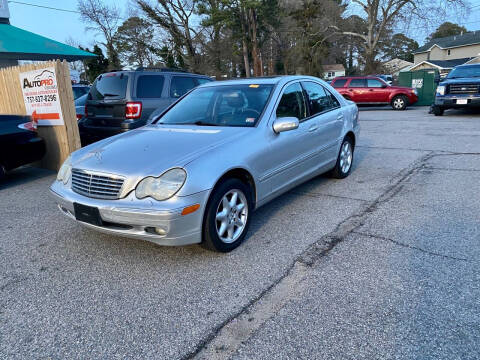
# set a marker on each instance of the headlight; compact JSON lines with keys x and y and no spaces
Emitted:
{"x":415,"y":91}
{"x":441,"y":90}
{"x":65,"y":171}
{"x":162,"y":187}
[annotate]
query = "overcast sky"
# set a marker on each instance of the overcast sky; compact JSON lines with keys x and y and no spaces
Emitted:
{"x":60,"y":25}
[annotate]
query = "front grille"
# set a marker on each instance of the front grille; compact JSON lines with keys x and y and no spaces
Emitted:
{"x":463,"y":89}
{"x":95,"y":185}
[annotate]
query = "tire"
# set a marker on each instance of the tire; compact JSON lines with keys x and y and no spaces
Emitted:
{"x":217,"y":235}
{"x":438,"y":110}
{"x":3,"y":172}
{"x":399,"y":102}
{"x":341,"y":170}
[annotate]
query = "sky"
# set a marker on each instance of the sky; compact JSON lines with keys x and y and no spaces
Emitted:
{"x":60,"y":25}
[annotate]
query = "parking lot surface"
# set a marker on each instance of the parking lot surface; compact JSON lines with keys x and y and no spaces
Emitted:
{"x":383,"y":264}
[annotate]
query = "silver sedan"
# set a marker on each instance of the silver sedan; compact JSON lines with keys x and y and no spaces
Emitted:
{"x":197,"y":173}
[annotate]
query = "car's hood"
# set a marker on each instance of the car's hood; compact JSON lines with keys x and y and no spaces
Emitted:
{"x":153,"y":149}
{"x":461,"y":81}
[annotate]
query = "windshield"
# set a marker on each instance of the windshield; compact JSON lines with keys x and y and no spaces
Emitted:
{"x":465,"y":72}
{"x":109,"y":86}
{"x":227,"y":105}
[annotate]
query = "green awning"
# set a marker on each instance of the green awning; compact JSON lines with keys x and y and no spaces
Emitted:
{"x":18,"y":44}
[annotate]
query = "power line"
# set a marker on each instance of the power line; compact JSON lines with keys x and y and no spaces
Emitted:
{"x":43,"y":7}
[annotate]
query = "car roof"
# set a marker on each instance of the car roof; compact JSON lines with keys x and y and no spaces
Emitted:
{"x":264,"y":80}
{"x":157,"y":71}
{"x":468,"y":65}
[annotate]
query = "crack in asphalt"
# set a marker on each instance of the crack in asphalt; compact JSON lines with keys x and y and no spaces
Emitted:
{"x":309,"y":257}
{"x":399,"y":243}
{"x":316,"y":195}
{"x":451,"y":169}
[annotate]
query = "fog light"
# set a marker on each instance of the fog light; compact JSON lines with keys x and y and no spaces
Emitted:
{"x":160,"y":231}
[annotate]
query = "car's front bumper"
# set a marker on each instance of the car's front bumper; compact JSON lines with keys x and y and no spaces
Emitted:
{"x":452,"y":101}
{"x":136,"y":218}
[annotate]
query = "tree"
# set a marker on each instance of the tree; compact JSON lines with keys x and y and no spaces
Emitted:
{"x":104,"y":19}
{"x":175,"y":17}
{"x":134,"y":41}
{"x":399,"y":46}
{"x":446,"y":29}
{"x":97,"y":65}
{"x":382,"y":14}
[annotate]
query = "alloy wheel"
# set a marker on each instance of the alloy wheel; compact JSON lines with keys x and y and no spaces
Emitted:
{"x":346,"y":157}
{"x":231,"y":216}
{"x":398,"y":103}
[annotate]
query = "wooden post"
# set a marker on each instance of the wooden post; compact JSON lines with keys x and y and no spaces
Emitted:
{"x":60,"y":140}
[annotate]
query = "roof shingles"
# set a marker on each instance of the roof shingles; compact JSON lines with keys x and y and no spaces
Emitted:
{"x":467,"y":38}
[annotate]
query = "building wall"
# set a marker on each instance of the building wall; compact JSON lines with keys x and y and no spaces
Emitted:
{"x":335,"y":74}
{"x":455,"y":53}
{"x":418,"y":58}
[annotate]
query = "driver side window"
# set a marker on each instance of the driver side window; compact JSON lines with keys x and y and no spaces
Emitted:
{"x":292,"y":103}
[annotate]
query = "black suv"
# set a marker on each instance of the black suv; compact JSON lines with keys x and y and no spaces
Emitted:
{"x":123,"y":100}
{"x":460,"y":89}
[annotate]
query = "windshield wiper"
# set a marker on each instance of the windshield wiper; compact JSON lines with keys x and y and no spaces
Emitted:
{"x":203,"y":123}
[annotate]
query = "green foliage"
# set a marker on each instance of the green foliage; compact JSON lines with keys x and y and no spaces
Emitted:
{"x":399,"y":46}
{"x":97,"y":65}
{"x":447,"y":29}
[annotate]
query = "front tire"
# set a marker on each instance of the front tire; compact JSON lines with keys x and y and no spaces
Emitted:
{"x":227,"y":216}
{"x":438,"y":110}
{"x":399,"y":102}
{"x":343,"y":167}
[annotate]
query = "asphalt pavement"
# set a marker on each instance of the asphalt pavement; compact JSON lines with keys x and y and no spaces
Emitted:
{"x":381,"y":265}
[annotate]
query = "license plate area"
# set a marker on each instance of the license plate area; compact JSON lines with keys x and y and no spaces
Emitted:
{"x":462,"y":101}
{"x":87,"y":214}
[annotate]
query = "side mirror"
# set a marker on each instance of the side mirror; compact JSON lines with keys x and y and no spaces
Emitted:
{"x":285,"y":124}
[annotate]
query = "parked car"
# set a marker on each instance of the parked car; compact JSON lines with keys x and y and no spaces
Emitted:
{"x":80,"y":106}
{"x":387,"y":78}
{"x":371,"y":90}
{"x":200,"y":170}
{"x":79,"y":90}
{"x":18,"y":146}
{"x":124,"y":100}
{"x":460,"y":89}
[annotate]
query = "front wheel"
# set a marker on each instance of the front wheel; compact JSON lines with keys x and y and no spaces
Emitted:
{"x":438,"y":110}
{"x":227,"y":216}
{"x":344,"y":161}
{"x":399,"y":102}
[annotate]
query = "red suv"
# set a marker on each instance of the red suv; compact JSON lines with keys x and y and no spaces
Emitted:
{"x":373,"y":90}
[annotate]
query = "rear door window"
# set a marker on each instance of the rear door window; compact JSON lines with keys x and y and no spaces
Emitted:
{"x":373,"y":83}
{"x":109,"y":86}
{"x":181,"y":85}
{"x":339,"y":83}
{"x":357,"y":83}
{"x":318,"y":100}
{"x":203,"y":81}
{"x":150,"y":86}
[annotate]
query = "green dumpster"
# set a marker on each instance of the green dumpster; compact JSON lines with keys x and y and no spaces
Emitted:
{"x":423,"y":81}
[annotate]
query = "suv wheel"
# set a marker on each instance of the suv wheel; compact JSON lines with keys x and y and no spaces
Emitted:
{"x":438,"y":110}
{"x":399,"y":102}
{"x":227,"y":216}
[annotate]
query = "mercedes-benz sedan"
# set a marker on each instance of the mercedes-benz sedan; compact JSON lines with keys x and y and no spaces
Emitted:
{"x":197,"y":173}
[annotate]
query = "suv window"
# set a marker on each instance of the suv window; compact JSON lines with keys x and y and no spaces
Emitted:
{"x":357,"y":83}
{"x":111,"y":86}
{"x":318,"y":99}
{"x":181,"y":85}
{"x":339,"y":83}
{"x":150,"y":86}
{"x":292,"y":103}
{"x":373,"y":83}
{"x":203,"y":81}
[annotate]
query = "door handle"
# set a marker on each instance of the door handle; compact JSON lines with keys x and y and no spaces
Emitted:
{"x":312,"y":128}
{"x":340,"y":117}
{"x":370,"y":89}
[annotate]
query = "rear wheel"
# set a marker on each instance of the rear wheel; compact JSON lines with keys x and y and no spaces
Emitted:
{"x":438,"y":110}
{"x":227,"y":216}
{"x":344,"y":160}
{"x":399,"y":102}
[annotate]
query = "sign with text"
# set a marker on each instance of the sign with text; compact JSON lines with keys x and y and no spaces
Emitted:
{"x":40,"y":94}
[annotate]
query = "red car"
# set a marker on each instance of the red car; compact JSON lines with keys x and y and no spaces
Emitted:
{"x":373,"y":90}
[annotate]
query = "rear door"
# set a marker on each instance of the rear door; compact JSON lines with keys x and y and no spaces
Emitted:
{"x":357,"y":90}
{"x":107,"y":99}
{"x":149,"y":90}
{"x":376,"y":93}
{"x":326,"y":111}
